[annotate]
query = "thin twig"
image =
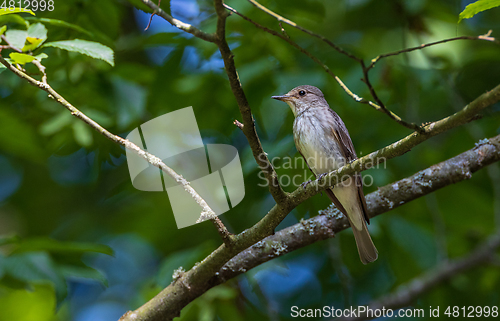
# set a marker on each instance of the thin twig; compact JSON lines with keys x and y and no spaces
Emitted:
{"x":293,"y":24}
{"x":151,"y":17}
{"x":283,"y":31}
{"x":238,"y":124}
{"x":41,"y":67}
{"x":483,"y":37}
{"x":304,"y":51}
{"x":155,"y":161}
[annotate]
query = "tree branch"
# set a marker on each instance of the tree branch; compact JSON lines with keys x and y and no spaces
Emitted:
{"x":153,"y":160}
{"x":191,"y":284}
{"x":408,"y":293}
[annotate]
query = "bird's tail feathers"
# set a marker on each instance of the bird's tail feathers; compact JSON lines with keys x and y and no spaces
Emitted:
{"x":366,"y":249}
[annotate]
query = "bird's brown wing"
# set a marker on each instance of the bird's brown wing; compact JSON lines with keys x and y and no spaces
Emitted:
{"x":305,"y":160}
{"x":345,"y":143}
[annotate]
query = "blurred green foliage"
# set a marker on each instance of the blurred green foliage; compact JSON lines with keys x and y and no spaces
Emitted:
{"x":65,"y":190}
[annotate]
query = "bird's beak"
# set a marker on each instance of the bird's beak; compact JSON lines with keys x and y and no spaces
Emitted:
{"x":282,"y":98}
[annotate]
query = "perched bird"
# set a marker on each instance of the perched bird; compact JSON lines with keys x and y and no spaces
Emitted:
{"x":323,"y":140}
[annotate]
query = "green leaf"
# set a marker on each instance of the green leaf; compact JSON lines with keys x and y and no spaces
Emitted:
{"x":89,"y":48}
{"x":481,"y":5}
{"x":2,"y":68}
{"x":15,"y":10}
{"x":33,"y":43}
{"x":20,"y":58}
{"x":16,"y":38}
{"x":54,"y":246}
{"x":37,"y":34}
{"x":60,"y":23}
{"x":2,"y":30}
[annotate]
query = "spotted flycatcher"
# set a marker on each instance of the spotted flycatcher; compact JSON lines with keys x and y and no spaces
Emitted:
{"x":323,"y":140}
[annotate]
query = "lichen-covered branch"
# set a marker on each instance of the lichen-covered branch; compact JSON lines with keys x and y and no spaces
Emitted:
{"x":407,"y":293}
{"x":332,"y":221}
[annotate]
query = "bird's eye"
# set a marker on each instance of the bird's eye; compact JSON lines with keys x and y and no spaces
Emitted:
{"x":302,"y":93}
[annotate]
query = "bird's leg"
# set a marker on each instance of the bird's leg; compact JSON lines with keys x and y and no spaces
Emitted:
{"x":320,"y":176}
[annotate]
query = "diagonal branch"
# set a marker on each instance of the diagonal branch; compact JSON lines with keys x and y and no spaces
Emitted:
{"x":153,"y":160}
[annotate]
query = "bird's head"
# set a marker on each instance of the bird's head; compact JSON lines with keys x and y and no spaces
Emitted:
{"x":303,"y":97}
